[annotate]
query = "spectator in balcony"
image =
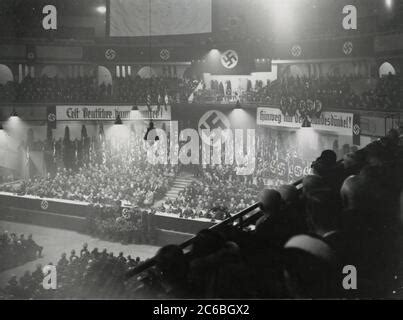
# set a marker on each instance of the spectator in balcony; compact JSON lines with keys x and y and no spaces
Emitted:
{"x":324,"y":219}
{"x":370,"y":230}
{"x":311,"y":269}
{"x":273,"y":229}
{"x":174,"y":267}
{"x":312,"y":183}
{"x":293,"y":208}
{"x":326,"y":167}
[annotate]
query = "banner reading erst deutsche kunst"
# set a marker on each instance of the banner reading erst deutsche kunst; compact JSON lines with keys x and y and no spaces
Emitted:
{"x":338,"y":122}
{"x":109,"y":113}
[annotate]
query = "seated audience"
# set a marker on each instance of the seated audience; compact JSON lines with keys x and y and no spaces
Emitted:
{"x":156,"y":90}
{"x":15,"y":250}
{"x":92,"y":275}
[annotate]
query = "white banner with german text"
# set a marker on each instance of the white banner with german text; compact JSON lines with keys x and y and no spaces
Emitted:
{"x":109,"y":113}
{"x":338,"y":122}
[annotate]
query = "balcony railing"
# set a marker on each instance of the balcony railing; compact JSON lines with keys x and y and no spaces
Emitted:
{"x":240,"y":220}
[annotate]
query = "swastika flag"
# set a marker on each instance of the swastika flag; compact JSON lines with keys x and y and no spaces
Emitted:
{"x":228,"y":61}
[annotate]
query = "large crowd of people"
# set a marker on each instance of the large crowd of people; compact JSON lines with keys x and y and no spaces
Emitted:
{"x":298,"y":93}
{"x":16,"y":250}
{"x":217,"y":193}
{"x":101,"y":175}
{"x":125,"y":225}
{"x":292,"y":93}
{"x":136,"y":90}
{"x":104,"y":173}
{"x":345,"y":215}
{"x":109,"y":177}
{"x":336,"y":92}
{"x":85,"y":274}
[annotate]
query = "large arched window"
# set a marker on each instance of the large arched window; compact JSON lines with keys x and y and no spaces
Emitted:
{"x":6,"y":74}
{"x":385,"y":69}
{"x":52,"y":71}
{"x":147,"y":72}
{"x":104,"y":76}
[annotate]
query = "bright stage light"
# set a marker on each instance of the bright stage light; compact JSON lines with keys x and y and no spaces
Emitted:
{"x":241,"y":119}
{"x":16,"y":128}
{"x":389,"y":4}
{"x":101,"y":9}
{"x":3,"y":138}
{"x":283,"y":16}
{"x":214,"y":52}
{"x":14,"y":114}
{"x":119,"y":134}
{"x":307,"y":141}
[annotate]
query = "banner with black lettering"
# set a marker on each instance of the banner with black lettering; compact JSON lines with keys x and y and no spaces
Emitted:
{"x":338,"y":122}
{"x":109,"y":113}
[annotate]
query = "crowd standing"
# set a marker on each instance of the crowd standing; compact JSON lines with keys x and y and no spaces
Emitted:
{"x":345,"y":214}
{"x":87,"y":274}
{"x":87,"y":89}
{"x":296,"y":93}
{"x":16,"y":250}
{"x":331,"y":91}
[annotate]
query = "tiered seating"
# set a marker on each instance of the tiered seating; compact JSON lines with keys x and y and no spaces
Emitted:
{"x":158,"y":90}
{"x":345,"y":214}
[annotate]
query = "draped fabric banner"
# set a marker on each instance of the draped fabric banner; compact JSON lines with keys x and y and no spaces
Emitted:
{"x":130,"y":18}
{"x":228,"y":61}
{"x":109,"y":113}
{"x":338,"y":122}
{"x":51,"y":117}
{"x":356,"y":130}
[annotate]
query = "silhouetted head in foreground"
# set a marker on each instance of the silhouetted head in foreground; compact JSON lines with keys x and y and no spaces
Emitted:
{"x":271,"y":202}
{"x":310,"y":268}
{"x":173,"y":265}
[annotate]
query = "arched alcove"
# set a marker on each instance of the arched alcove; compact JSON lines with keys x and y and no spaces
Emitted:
{"x":104,"y":76}
{"x":6,"y":74}
{"x":147,"y":72}
{"x":385,"y":69}
{"x":52,"y":71}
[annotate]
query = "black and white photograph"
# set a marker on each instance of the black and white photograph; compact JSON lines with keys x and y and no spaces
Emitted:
{"x":201,"y":151}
